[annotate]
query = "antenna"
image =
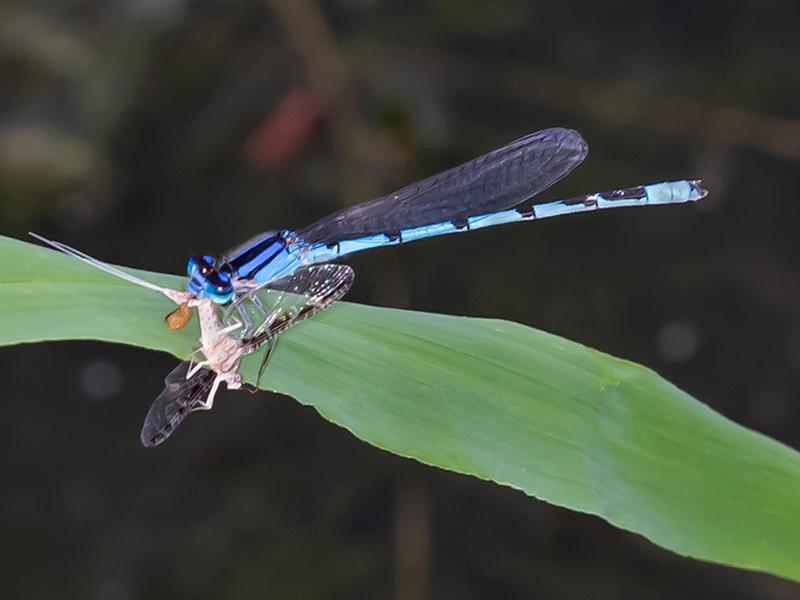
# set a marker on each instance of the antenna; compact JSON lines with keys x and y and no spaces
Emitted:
{"x":174,"y":295}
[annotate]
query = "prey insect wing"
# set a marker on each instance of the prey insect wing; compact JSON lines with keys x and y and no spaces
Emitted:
{"x":183,"y":393}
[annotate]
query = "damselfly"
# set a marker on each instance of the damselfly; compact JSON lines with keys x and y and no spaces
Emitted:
{"x":280,"y":304}
{"x":490,"y":190}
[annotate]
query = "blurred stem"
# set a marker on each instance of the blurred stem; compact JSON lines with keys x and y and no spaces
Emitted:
{"x":331,"y":78}
{"x":412,"y":540}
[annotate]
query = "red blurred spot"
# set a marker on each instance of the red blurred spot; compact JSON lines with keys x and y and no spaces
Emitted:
{"x":285,"y":133}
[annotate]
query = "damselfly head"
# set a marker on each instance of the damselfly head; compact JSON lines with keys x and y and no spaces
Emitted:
{"x":206,"y":281}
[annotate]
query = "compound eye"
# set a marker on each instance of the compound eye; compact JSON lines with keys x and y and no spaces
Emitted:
{"x":221,"y":294}
{"x":207,"y":264}
{"x":202,"y":265}
{"x":193,"y":265}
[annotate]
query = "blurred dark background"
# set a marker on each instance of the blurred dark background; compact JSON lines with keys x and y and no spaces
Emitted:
{"x":145,"y":131}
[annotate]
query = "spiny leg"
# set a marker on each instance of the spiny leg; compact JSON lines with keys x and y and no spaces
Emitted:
{"x":265,"y":361}
{"x":268,"y":316}
{"x":245,"y":318}
{"x":209,"y":401}
{"x":191,"y":370}
{"x":252,"y":297}
{"x":225,"y":330}
{"x":259,"y":306}
{"x":195,"y":368}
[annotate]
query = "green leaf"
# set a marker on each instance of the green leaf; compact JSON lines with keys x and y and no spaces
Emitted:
{"x":494,"y":399}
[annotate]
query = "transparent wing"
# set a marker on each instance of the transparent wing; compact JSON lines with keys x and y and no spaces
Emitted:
{"x":180,"y":397}
{"x":268,"y":309}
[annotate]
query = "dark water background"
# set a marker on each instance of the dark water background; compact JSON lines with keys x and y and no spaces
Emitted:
{"x":143,"y":132}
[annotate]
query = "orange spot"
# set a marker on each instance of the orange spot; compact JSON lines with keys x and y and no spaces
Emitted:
{"x":178,"y":318}
{"x":285,"y":133}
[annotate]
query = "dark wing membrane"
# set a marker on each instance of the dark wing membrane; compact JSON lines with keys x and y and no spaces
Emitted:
{"x":493,"y":182}
{"x":274,"y":307}
{"x":180,"y":397}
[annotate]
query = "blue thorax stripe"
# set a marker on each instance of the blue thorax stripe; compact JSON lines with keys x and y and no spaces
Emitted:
{"x":251,"y":260}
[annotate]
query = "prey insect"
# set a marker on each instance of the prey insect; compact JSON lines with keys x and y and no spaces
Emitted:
{"x":287,"y":301}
